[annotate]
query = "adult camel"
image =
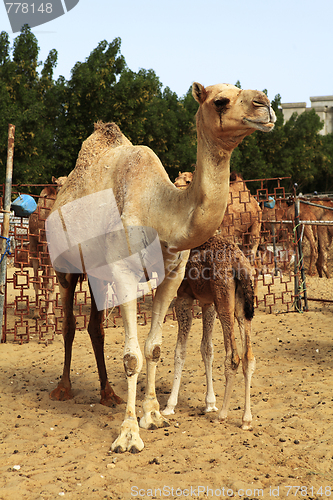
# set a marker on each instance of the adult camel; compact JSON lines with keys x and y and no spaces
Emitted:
{"x":146,"y":198}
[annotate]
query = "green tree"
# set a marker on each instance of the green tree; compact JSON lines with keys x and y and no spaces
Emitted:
{"x":26,"y":101}
{"x":86,"y":98}
{"x":131,"y":100}
{"x":53,"y":118}
{"x":170,"y":131}
{"x":324,"y":178}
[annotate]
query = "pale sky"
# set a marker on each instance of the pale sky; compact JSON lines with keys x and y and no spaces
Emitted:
{"x":284,"y":46}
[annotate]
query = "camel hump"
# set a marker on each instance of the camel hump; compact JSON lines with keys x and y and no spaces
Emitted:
{"x":105,"y":136}
{"x":110,"y":134}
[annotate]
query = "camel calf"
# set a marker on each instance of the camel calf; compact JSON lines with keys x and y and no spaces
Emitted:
{"x":217,"y":274}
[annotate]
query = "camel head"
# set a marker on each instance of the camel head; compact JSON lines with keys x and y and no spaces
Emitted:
{"x":183,"y":180}
{"x":235,"y":177}
{"x":59,"y":182}
{"x":228,"y":114}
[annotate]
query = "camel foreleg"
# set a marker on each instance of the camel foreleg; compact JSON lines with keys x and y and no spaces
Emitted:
{"x":129,"y":438}
{"x":96,"y":332}
{"x":166,"y":291}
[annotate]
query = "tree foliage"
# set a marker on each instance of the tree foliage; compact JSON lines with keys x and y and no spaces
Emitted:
{"x":53,"y":117}
{"x":27,"y":101}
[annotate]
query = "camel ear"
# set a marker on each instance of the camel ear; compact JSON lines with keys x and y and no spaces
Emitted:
{"x":53,"y":179}
{"x":199,"y":92}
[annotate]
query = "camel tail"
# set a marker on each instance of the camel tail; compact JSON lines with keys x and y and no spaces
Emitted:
{"x":244,"y":281}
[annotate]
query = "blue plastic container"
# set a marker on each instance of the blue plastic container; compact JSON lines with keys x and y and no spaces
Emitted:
{"x":24,"y":205}
{"x":270,"y":203}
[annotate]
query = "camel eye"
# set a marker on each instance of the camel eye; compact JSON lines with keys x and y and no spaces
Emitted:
{"x":221,"y":103}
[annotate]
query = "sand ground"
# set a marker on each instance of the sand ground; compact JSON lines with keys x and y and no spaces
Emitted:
{"x":62,"y":449}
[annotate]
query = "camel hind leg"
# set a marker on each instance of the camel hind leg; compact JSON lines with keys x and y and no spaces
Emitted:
{"x":225,"y":306}
{"x":207,"y":353}
{"x":244,"y":314}
{"x":308,"y":233}
{"x":67,"y":284}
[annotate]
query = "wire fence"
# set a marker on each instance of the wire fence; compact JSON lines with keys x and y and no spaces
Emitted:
{"x":254,"y":221}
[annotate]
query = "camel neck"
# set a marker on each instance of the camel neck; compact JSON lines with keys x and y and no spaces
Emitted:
{"x":202,"y":204}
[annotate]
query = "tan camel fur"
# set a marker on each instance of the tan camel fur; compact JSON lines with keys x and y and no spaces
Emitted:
{"x":183,"y":219}
{"x":217,"y":274}
{"x":38,"y":247}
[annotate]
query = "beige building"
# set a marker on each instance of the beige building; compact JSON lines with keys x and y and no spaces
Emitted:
{"x":323,"y":106}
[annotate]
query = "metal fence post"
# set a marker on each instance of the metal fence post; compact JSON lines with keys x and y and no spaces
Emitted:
{"x":302,"y":288}
{"x":5,"y":226}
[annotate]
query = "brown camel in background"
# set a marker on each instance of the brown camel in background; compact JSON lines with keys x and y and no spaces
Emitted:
{"x":325,"y":236}
{"x":38,"y":253}
{"x":242,"y":219}
{"x":183,"y":180}
{"x":318,"y":249}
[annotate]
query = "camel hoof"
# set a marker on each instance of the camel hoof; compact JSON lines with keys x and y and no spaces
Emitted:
{"x":117,"y":449}
{"x":128,"y":439}
{"x":61,"y":393}
{"x":218,"y":421}
{"x":246,"y":426}
{"x":110,"y":399}
{"x":134,"y":450}
{"x":210,"y":408}
{"x":168,"y":411}
{"x":153,"y":420}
